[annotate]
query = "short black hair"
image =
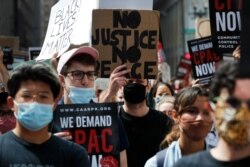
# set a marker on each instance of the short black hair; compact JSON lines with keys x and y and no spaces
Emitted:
{"x":36,"y":72}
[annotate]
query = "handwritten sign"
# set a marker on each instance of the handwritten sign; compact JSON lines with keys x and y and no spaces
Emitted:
{"x":126,"y":37}
{"x":69,"y":23}
{"x":95,"y":127}
{"x":225,"y":21}
{"x":203,"y":59}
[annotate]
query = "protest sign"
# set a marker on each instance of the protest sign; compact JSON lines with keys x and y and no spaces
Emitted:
{"x":126,"y":37}
{"x":184,"y":69}
{"x":203,"y":59}
{"x":95,"y":127}
{"x":225,"y":21}
{"x":69,"y":23}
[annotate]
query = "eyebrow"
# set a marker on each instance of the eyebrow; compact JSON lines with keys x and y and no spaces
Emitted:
{"x":25,"y":91}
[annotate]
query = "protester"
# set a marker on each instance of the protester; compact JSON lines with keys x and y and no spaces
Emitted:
{"x":7,"y":119}
{"x":166,"y":105}
{"x":33,"y":91}
{"x":77,"y":72}
{"x":194,"y":121}
{"x":162,"y":89}
{"x":145,"y":127}
{"x":232,"y":114}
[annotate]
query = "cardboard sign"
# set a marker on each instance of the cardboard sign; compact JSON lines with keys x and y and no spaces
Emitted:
{"x":93,"y":126}
{"x":126,"y":37}
{"x":225,"y":21}
{"x":203,"y":59}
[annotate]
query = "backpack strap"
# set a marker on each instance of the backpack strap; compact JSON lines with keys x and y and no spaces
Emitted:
{"x":160,"y":156}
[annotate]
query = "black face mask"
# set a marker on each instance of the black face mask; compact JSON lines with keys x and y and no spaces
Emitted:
{"x":134,"y":93}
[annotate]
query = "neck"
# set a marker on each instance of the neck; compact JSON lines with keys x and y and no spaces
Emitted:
{"x":36,"y":137}
{"x":138,"y":110}
{"x":225,"y":152}
{"x":189,"y":146}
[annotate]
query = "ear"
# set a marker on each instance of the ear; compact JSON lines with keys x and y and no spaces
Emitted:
{"x":10,"y":103}
{"x":61,"y":80}
{"x":175,"y":116}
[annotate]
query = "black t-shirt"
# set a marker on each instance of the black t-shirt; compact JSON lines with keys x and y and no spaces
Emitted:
{"x":145,"y":135}
{"x":55,"y":152}
{"x":205,"y":159}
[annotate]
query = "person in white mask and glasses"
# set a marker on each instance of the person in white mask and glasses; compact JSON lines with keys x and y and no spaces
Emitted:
{"x":33,"y":93}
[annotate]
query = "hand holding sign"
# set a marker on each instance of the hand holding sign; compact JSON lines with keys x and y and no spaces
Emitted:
{"x":116,"y":81}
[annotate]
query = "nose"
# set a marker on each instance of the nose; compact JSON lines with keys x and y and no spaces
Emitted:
{"x":84,"y":80}
{"x":204,"y":115}
{"x":35,"y":98}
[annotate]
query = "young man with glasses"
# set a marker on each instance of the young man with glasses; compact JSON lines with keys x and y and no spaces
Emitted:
{"x":145,"y":127}
{"x":77,"y":72}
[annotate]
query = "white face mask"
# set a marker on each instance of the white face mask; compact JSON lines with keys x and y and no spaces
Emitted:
{"x":81,"y":95}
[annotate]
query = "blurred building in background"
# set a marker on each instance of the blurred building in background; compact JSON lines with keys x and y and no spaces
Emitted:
{"x":28,"y":19}
{"x":178,"y":22}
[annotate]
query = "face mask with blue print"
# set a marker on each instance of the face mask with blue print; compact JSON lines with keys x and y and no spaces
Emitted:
{"x":34,"y":116}
{"x":81,"y":95}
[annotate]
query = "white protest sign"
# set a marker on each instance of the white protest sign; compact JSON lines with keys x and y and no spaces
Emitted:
{"x":69,"y":23}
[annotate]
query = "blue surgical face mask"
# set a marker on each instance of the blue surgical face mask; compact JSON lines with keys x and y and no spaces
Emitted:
{"x":81,"y":95}
{"x":34,"y":116}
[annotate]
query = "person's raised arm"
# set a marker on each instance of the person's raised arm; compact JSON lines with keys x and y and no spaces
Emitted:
{"x":117,"y":80}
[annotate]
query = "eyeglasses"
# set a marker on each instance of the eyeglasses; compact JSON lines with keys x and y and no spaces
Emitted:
{"x":236,"y":103}
{"x":78,"y":75}
{"x":41,"y":97}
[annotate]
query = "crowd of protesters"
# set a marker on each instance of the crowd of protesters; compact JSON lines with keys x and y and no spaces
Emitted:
{"x":160,"y":123}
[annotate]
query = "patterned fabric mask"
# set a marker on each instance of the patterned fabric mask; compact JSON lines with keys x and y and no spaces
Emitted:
{"x":233,"y":125}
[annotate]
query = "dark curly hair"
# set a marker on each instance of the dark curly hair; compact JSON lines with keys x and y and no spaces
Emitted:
{"x":224,"y":77}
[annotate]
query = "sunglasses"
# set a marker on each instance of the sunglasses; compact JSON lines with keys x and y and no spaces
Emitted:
{"x":236,"y":103}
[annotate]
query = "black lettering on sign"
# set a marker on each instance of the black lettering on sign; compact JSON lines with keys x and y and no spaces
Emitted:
{"x":148,"y":68}
{"x":133,"y":54}
{"x":133,"y":70}
{"x":125,"y":19}
{"x":105,"y":66}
